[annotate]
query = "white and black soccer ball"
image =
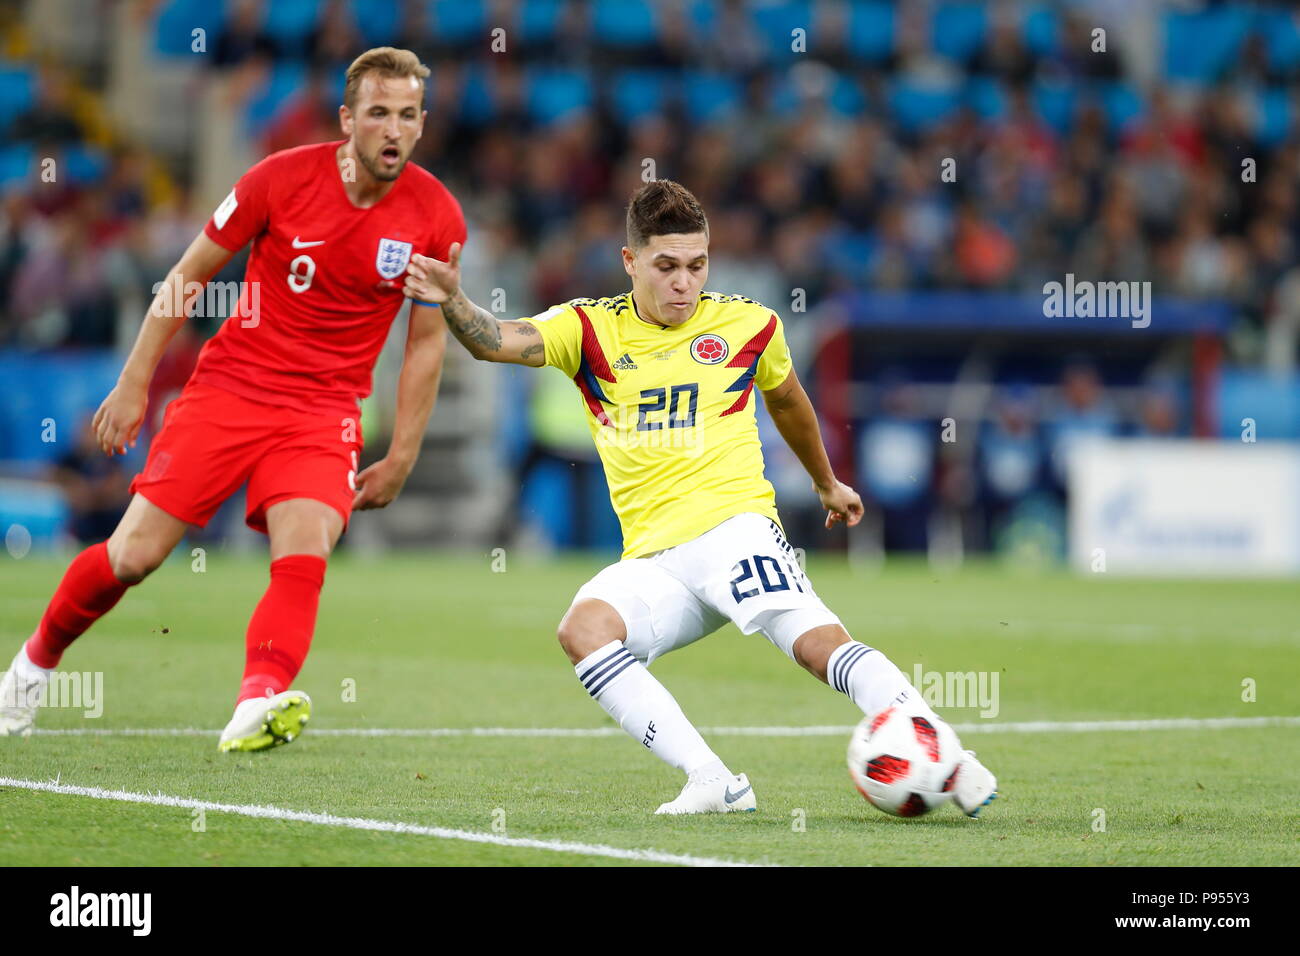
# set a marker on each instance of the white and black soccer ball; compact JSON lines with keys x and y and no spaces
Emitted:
{"x":903,"y":765}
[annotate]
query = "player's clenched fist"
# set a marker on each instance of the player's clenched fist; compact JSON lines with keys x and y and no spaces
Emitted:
{"x":432,"y":280}
{"x":118,"y":420}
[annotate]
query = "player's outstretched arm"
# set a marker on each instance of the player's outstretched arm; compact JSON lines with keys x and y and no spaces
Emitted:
{"x":118,"y":420}
{"x":792,"y":413}
{"x":435,"y":282}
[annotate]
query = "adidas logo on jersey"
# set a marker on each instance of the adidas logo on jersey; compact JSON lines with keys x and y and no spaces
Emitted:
{"x":625,"y":364}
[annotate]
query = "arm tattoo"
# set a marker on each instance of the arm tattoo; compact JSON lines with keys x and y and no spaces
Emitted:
{"x":476,"y":327}
{"x":532,"y":350}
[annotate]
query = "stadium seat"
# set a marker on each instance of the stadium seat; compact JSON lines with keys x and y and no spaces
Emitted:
{"x":916,"y":106}
{"x":85,"y":164}
{"x":958,"y":29}
{"x":1040,"y":28}
{"x":776,"y":23}
{"x":17,"y":163}
{"x":554,"y":94}
{"x":290,"y":22}
{"x":624,"y":23}
{"x":1200,"y":44}
{"x":458,"y":21}
{"x":378,"y":20}
{"x":1121,"y":103}
{"x":710,"y":96}
{"x":986,"y":97}
{"x":176,"y":21}
{"x":871,"y":30}
{"x":17,"y":91}
{"x":1281,"y":38}
{"x":284,"y":81}
{"x":476,"y":104}
{"x":1273,"y":115}
{"x":638,"y":93}
{"x":539,"y":20}
{"x":1054,"y":101}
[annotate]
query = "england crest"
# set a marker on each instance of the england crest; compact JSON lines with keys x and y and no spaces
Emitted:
{"x":392,"y":258}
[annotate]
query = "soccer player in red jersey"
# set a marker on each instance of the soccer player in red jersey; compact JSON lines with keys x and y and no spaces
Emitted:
{"x":273,"y":399}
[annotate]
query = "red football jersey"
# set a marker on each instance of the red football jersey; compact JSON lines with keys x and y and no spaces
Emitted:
{"x":324,"y":278}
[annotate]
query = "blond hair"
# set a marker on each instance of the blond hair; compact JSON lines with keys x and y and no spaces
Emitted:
{"x":388,"y":62}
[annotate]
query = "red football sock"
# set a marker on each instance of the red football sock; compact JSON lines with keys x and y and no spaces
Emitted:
{"x":88,"y":591}
{"x":280,"y":631}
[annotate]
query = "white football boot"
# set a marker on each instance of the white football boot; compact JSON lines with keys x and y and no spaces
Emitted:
{"x":22,"y":688}
{"x":716,"y":794}
{"x":975,"y":787}
{"x":263,"y":722}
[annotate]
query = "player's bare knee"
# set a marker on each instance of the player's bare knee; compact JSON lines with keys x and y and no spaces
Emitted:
{"x":134,"y":557}
{"x":587,"y":627}
{"x":813,"y":649}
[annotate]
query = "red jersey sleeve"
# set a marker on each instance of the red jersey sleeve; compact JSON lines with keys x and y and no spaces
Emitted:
{"x":242,"y":215}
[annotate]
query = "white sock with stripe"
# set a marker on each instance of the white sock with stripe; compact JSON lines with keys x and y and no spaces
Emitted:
{"x":643,"y":707}
{"x":872,"y":681}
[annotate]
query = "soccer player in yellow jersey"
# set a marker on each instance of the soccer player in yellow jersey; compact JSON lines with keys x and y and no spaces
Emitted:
{"x":667,"y":374}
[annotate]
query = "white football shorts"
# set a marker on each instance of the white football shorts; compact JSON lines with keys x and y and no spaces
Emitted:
{"x":743,"y":571}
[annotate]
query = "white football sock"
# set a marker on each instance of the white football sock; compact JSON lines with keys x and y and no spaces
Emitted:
{"x":872,"y":681}
{"x":644,"y":708}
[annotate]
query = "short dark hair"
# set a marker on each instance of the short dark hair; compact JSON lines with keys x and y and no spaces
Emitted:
{"x":660,"y":208}
{"x":389,"y":63}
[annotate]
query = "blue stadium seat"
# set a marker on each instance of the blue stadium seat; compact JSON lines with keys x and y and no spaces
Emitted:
{"x":17,"y":162}
{"x":1054,"y":101}
{"x":553,"y":94}
{"x":917,"y":107}
{"x":458,"y":21}
{"x":871,"y":30}
{"x":710,"y":96}
{"x":285,"y":79}
{"x":624,"y":23}
{"x":777,"y":21}
{"x":17,"y":91}
{"x":1121,"y":103}
{"x":539,"y":20}
{"x":1200,"y":44}
{"x":1281,"y":38}
{"x":476,"y":104}
{"x":176,"y":21}
{"x":958,"y":29}
{"x":378,"y":20}
{"x":290,"y":22}
{"x":638,"y":93}
{"x":1040,"y":29}
{"x":986,"y":97}
{"x":1274,"y":115}
{"x":85,"y":164}
{"x":702,"y":15}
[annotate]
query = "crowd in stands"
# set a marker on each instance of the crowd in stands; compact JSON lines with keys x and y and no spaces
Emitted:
{"x":819,"y":158}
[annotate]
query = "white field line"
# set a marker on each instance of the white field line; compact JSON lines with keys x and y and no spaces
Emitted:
{"x":362,"y":823}
{"x":1027,"y":727}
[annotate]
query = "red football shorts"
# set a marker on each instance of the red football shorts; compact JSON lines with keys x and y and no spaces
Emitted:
{"x":213,"y":441}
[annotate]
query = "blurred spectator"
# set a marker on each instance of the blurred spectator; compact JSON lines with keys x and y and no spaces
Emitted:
{"x":94,"y":485}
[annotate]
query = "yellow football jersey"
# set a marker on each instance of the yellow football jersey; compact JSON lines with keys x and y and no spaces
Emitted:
{"x":671,"y":410}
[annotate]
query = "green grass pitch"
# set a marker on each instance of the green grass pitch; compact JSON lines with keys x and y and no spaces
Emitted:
{"x":443,"y":641}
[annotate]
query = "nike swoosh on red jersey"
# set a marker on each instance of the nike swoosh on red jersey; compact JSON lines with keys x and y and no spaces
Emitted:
{"x":298,"y":244}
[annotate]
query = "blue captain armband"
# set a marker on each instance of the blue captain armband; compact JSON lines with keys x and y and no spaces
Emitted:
{"x":432,"y":305}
